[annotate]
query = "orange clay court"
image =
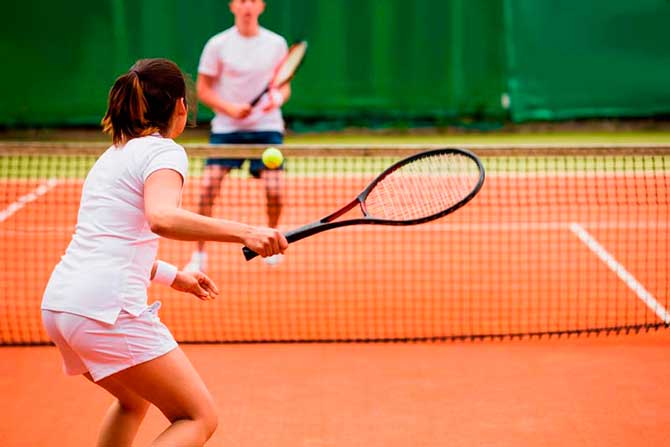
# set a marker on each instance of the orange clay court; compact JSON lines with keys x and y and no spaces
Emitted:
{"x":535,"y":253}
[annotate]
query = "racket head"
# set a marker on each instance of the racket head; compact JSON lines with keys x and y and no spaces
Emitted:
{"x":423,"y":187}
{"x":287,"y":68}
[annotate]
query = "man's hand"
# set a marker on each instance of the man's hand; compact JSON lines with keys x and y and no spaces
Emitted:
{"x":275,"y":99}
{"x":237,"y":110}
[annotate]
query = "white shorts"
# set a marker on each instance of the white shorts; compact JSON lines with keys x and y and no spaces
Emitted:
{"x":103,"y":349}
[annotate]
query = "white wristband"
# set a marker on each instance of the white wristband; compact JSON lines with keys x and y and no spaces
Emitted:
{"x":276,"y":97}
{"x":165,"y":273}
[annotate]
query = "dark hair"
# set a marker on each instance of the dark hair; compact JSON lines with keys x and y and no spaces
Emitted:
{"x":142,"y":101}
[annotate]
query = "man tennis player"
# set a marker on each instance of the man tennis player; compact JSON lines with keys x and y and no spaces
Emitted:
{"x":234,"y":66}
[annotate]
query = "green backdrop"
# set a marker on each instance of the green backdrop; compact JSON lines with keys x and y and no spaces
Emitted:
{"x":587,"y":58}
{"x":369,"y":61}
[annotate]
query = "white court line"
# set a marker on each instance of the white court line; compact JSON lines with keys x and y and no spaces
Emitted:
{"x":30,"y":197}
{"x":621,"y":272}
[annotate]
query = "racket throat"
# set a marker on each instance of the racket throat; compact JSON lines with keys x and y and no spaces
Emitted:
{"x":341,"y":212}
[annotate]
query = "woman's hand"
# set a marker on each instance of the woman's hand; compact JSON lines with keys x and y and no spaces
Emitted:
{"x":265,"y":241}
{"x":196,"y":283}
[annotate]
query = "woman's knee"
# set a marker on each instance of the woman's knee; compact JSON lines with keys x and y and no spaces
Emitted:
{"x":210,"y":421}
{"x":208,"y":416}
{"x":126,"y":399}
{"x":206,"y":420}
{"x":138,"y":406}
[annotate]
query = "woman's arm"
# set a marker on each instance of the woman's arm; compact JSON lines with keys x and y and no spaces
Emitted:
{"x":196,"y":283}
{"x":162,"y":193}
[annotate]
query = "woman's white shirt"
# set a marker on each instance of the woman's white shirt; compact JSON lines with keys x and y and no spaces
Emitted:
{"x":107,"y":265}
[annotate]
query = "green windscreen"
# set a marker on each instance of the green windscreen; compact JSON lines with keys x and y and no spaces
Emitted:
{"x":574,"y":59}
{"x":369,"y":61}
{"x":389,"y":59}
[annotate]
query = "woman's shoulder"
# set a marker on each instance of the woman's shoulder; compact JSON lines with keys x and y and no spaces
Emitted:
{"x":152,"y":144}
{"x":146,"y":154}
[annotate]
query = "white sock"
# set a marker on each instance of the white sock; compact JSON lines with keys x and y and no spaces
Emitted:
{"x":199,"y":257}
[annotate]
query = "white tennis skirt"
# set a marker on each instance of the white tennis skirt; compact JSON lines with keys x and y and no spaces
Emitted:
{"x":102,"y":349}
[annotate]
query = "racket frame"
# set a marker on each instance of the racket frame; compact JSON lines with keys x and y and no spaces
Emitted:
{"x":271,"y":84}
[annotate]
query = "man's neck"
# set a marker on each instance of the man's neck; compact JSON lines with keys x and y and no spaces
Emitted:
{"x":247,"y":29}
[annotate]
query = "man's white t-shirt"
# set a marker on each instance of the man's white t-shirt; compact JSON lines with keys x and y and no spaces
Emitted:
{"x":107,"y":266}
{"x":243,"y":66}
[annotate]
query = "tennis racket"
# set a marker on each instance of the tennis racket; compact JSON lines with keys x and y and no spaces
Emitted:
{"x":418,"y":189}
{"x":285,"y":70}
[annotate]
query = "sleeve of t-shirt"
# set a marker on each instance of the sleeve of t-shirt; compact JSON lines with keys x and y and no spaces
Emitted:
{"x":209,"y":59}
{"x":168,"y":155}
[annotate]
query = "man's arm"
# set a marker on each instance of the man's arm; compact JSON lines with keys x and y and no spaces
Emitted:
{"x":285,"y":91}
{"x":208,"y":96}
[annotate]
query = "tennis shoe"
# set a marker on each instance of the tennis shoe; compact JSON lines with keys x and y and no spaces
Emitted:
{"x":198,"y":262}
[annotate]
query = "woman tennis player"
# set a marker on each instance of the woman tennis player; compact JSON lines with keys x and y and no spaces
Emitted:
{"x":95,"y":304}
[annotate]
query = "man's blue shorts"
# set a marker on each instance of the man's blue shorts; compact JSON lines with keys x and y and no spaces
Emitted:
{"x":260,"y":137}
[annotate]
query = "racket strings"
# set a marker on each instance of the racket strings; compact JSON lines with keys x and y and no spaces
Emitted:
{"x":290,"y":64}
{"x":423,"y":187}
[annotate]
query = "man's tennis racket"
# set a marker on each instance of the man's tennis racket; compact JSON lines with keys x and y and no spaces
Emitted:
{"x":286,"y":69}
{"x":415,"y":190}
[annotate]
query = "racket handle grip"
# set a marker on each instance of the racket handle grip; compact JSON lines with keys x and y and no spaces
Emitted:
{"x":291,"y":236}
{"x":258,"y":98}
{"x":249,"y":254}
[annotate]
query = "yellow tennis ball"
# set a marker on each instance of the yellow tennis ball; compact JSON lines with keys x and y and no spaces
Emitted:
{"x":272,"y":158}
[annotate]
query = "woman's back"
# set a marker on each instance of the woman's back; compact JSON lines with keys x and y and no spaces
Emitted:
{"x":106,"y":267}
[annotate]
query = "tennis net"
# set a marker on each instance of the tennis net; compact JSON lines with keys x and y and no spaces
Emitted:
{"x":559,"y":241}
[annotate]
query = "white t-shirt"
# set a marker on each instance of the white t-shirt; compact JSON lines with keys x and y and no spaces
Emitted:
{"x":243,"y":67}
{"x":107,"y":266}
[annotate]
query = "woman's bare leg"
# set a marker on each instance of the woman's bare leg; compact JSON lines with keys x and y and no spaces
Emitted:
{"x":123,"y":419}
{"x":172,"y":384}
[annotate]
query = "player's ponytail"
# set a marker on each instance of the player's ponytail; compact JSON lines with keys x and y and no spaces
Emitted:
{"x":142,"y":101}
